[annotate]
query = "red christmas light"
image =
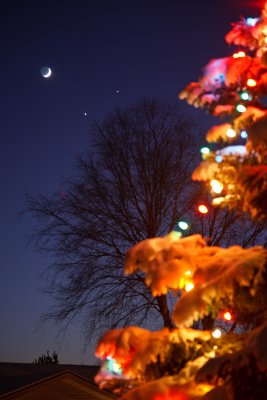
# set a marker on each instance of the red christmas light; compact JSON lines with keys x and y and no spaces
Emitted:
{"x":203,"y":209}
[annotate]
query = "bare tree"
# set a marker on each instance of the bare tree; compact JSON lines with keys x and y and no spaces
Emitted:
{"x":224,"y":227}
{"x":47,"y":359}
{"x":134,"y":183}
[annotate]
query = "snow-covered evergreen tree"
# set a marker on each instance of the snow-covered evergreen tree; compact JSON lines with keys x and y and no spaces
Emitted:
{"x":228,"y":362}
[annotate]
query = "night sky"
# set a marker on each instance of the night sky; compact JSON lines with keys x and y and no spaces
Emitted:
{"x":103,"y":54}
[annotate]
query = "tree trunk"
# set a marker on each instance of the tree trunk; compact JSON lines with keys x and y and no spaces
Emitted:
{"x":163,"y":306}
{"x":208,"y":322}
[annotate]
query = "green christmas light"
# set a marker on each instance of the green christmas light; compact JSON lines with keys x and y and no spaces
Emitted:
{"x":183,"y":225}
{"x":241,"y":108}
{"x":204,"y":150}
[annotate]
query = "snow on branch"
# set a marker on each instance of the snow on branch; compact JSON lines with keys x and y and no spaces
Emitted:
{"x":135,"y":348}
{"x":217,"y":272}
{"x":165,"y":261}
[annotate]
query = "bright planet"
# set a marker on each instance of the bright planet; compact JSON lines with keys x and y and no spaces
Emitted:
{"x":46,"y":72}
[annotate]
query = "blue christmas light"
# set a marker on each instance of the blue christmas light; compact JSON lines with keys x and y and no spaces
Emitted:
{"x":243,"y":134}
{"x":252,"y":21}
{"x":218,"y":158}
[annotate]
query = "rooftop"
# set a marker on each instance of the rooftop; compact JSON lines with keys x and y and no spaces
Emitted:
{"x":31,"y":377}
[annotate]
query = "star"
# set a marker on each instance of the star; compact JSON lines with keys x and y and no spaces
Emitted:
{"x":85,"y":114}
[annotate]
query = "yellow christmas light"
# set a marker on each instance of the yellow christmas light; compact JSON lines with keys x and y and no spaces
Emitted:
{"x":189,"y":286}
{"x":116,"y":367}
{"x":217,"y":201}
{"x":217,"y":333}
{"x":239,"y":54}
{"x":216,"y":186}
{"x":230,"y":133}
{"x":113,"y":366}
{"x":251,"y":82}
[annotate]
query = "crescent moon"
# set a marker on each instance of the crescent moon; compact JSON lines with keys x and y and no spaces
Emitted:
{"x":46,"y":72}
{"x":49,"y":72}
